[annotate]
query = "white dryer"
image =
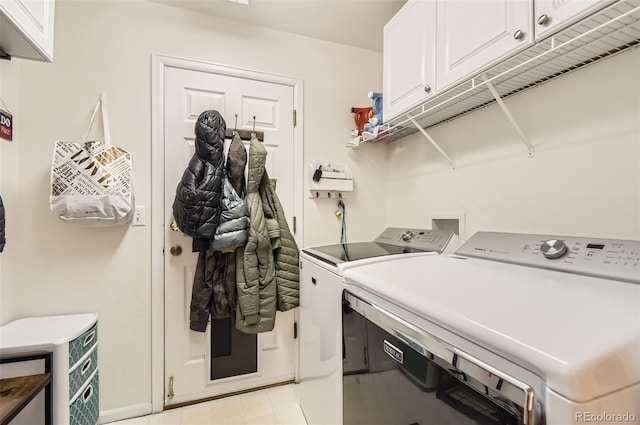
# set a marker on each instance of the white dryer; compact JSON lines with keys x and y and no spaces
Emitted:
{"x":512,"y":329}
{"x":321,"y":355}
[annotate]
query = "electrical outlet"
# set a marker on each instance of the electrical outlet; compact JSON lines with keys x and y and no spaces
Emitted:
{"x":139,"y":218}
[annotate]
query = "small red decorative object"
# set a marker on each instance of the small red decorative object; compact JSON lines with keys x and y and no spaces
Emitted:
{"x":361,"y":117}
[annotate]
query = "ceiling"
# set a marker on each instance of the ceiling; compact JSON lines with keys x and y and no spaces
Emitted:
{"x":355,"y":23}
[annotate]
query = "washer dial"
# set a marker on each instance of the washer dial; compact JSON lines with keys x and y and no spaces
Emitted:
{"x":553,"y":248}
{"x":407,"y":236}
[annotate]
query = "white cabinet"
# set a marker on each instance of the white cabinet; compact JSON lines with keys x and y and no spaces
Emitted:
{"x":473,"y":35}
{"x":26,"y":28}
{"x":73,"y":340}
{"x":553,"y":15}
{"x":409,"y":57}
{"x":504,"y":40}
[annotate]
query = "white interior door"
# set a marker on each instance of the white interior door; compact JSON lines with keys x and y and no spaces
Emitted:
{"x":187,"y":93}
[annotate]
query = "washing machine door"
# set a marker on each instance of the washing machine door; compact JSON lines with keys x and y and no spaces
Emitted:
{"x":341,"y":253}
{"x":411,"y":377}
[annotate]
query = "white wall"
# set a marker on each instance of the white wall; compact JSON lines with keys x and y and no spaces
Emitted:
{"x":584,"y":179}
{"x":106,"y":46}
{"x":9,"y":80}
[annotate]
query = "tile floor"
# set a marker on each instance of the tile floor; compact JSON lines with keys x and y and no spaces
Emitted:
{"x":272,"y":406}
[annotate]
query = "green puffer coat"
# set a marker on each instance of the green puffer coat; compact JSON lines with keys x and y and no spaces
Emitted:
{"x":267,"y":270}
{"x":283,"y":245}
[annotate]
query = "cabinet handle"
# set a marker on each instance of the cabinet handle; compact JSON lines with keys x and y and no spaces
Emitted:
{"x":543,"y":19}
{"x":89,"y":338}
{"x":86,"y":366}
{"x":87,"y":394}
{"x":518,"y":35}
{"x":427,"y":89}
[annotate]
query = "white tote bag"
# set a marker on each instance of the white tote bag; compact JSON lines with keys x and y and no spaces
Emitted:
{"x":91,"y":182}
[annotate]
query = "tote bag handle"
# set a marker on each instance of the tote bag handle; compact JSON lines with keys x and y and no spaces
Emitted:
{"x":102,"y":105}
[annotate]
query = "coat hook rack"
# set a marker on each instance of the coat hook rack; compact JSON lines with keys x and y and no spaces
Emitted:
{"x":328,"y":194}
{"x":244,"y":134}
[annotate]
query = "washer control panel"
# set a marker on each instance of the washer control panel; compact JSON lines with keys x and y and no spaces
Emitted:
{"x":607,"y":258}
{"x":419,"y":239}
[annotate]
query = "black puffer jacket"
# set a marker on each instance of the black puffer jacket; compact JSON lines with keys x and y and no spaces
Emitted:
{"x":196,"y":207}
{"x":214,"y":281}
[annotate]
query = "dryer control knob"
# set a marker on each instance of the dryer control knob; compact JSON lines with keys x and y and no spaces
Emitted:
{"x":407,"y":236}
{"x":553,"y":248}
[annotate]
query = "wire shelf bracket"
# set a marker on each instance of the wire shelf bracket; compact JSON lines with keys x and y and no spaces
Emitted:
{"x":509,"y":116}
{"x":433,"y":142}
{"x":612,"y":30}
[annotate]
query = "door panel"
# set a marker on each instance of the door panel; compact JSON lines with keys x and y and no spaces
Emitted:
{"x":553,"y":15}
{"x":187,"y":94}
{"x":473,"y":35}
{"x":409,"y":58}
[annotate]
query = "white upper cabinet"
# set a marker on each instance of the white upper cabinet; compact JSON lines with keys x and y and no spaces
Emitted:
{"x":553,"y":15}
{"x":475,"y":34}
{"x":517,"y":44}
{"x":26,"y":28}
{"x":409,"y":57}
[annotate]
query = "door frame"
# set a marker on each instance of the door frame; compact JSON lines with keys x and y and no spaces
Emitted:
{"x":158,"y":221}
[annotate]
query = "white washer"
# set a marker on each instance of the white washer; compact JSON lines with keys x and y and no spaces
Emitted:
{"x":554,"y":321}
{"x":321,"y":347}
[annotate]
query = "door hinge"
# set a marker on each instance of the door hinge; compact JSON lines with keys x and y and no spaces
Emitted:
{"x":295,"y":224}
{"x":295,"y":330}
{"x":366,"y":357}
{"x":170,"y":393}
{"x":295,"y":117}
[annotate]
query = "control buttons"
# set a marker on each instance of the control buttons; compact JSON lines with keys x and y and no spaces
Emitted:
{"x":553,"y":248}
{"x":407,"y":236}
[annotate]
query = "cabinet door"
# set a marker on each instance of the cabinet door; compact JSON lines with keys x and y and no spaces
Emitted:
{"x":473,"y":35}
{"x":26,"y":28}
{"x":553,"y":15}
{"x":409,"y":57}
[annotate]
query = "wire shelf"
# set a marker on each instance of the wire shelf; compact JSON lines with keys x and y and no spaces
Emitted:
{"x":608,"y":32}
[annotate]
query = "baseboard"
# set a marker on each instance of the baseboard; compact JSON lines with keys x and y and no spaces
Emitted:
{"x":123,"y":413}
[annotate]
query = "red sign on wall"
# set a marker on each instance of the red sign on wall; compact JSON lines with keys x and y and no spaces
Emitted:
{"x":6,"y":125}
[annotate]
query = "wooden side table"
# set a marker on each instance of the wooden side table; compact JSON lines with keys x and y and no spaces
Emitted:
{"x":16,"y":393}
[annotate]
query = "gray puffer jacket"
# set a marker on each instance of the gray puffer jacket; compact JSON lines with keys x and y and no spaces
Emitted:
{"x":196,"y":207}
{"x":234,"y":221}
